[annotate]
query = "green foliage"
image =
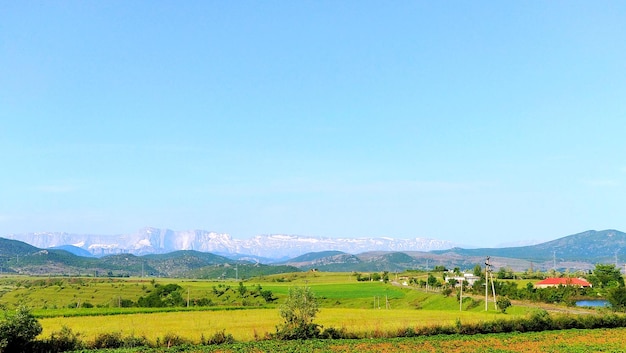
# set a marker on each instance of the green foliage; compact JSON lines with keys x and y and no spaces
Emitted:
{"x":606,"y":276}
{"x":505,"y":273}
{"x":432,"y":281}
{"x":298,"y":313}
{"x":116,"y":340}
{"x":267,"y":295}
{"x":163,"y":296}
{"x":386,"y":276}
{"x":108,"y":340}
{"x":617,"y":297}
{"x":242,"y":289}
{"x":299,"y":332}
{"x":18,"y":330}
{"x":62,"y":341}
{"x":219,"y":337}
{"x":172,"y":340}
{"x":503,"y":303}
{"x":478,"y":271}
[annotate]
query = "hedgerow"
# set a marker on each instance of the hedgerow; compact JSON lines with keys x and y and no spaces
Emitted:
{"x":66,"y":340}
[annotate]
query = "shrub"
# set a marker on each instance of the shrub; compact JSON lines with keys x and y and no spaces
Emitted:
{"x":171,"y":340}
{"x":299,"y":332}
{"x":108,"y":340}
{"x":134,"y":341}
{"x":503,"y":303}
{"x":62,"y":341}
{"x":334,"y":333}
{"x":18,"y":330}
{"x":220,"y":337}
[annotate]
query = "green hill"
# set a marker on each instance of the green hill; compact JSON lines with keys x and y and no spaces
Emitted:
{"x":590,"y":246}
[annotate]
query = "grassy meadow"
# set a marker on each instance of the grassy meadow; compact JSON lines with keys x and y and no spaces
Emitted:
{"x":345,"y":303}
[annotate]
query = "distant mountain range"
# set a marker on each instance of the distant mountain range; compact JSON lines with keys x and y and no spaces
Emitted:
{"x":575,"y":252}
{"x":159,"y":241}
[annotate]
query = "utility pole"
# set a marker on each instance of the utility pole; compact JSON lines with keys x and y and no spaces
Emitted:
{"x":493,"y":289}
{"x":487,"y":284}
{"x":461,"y":298}
{"x":488,"y":275}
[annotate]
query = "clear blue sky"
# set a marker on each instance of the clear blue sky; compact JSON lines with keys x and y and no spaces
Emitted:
{"x":476,"y":122}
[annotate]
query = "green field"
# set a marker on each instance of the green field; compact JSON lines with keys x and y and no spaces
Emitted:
{"x":246,"y":325}
{"x":332,"y":289}
{"x":369,"y":309}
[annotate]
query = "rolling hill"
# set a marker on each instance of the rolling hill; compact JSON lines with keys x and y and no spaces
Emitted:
{"x":575,"y":252}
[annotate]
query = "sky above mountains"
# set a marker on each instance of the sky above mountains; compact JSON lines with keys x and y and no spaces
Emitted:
{"x":479,"y":123}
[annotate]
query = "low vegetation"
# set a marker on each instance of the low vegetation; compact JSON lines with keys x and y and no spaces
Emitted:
{"x":160,"y":313}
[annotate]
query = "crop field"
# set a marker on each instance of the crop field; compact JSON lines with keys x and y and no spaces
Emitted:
{"x":369,"y":309}
{"x":332,"y":289}
{"x":246,"y":325}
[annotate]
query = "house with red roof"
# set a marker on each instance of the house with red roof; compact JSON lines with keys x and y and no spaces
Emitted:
{"x":555,"y":282}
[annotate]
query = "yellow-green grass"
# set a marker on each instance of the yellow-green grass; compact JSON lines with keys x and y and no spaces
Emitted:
{"x":333,"y":290}
{"x":65,"y":293}
{"x":246,"y":325}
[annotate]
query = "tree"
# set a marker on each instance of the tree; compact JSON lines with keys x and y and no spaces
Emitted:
{"x":18,"y":330}
{"x":432,"y":281}
{"x":503,"y":303}
{"x":168,"y":295}
{"x":617,"y":297}
{"x":298,"y":313}
{"x":606,"y":276}
{"x":242,"y":289}
{"x":478,"y":271}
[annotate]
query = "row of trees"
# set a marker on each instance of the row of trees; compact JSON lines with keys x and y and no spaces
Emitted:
{"x":375,"y":276}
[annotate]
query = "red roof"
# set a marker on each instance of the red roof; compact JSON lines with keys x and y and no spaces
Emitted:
{"x":564,"y":282}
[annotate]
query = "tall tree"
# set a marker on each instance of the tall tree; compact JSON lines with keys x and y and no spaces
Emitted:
{"x":606,"y":276}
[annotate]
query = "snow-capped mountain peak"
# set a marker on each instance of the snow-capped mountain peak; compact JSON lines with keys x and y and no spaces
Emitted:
{"x":154,"y":240}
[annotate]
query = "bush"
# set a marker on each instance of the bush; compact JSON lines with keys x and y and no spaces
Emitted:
{"x":220,"y":337}
{"x":171,"y":340}
{"x":18,"y":330}
{"x":134,"y":341}
{"x":334,"y":333}
{"x":108,"y":340}
{"x":503,"y":303}
{"x":63,"y":341}
{"x":299,"y":332}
